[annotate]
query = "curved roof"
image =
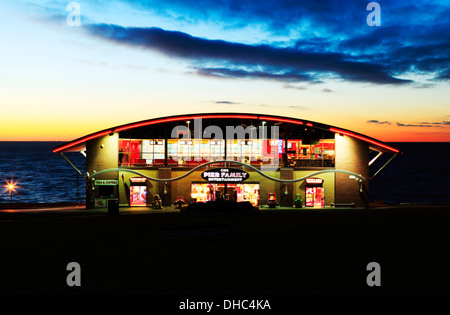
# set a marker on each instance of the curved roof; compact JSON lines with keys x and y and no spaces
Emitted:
{"x":80,"y":143}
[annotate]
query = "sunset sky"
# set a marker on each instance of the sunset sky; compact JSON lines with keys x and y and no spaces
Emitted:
{"x":135,"y":60}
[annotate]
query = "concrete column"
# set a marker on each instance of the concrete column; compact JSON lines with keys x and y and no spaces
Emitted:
{"x":165,"y":197}
{"x":351,"y":155}
{"x":286,"y":200}
{"x":101,"y":153}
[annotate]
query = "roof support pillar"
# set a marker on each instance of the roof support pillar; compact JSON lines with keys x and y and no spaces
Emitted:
{"x":383,"y":166}
{"x":375,"y":158}
{"x":76,"y":169}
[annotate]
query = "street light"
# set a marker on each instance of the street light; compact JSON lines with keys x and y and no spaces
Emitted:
{"x":189,"y":130}
{"x":263,"y":123}
{"x":11,"y":186}
{"x":263,"y":146}
{"x":189,"y":143}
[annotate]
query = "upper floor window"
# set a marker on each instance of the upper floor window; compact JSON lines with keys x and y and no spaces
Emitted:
{"x":141,"y":152}
{"x":192,"y":152}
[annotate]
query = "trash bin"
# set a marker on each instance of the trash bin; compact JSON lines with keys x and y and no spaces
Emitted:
{"x":113,"y":206}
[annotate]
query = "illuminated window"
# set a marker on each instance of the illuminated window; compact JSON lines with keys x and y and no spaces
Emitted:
{"x":141,"y":153}
{"x":204,"y":192}
{"x":307,"y":152}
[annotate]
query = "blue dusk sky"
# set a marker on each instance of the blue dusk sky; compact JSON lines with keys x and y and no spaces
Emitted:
{"x":133,"y":60}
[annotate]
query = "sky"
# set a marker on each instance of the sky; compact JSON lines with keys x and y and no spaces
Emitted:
{"x":68,"y":69}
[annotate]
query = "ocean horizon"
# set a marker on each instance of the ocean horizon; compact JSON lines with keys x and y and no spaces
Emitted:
{"x":420,"y":175}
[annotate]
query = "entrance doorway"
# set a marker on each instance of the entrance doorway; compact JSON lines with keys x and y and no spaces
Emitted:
{"x":138,"y":191}
{"x":315,"y":197}
{"x":138,"y":196}
{"x":204,"y":192}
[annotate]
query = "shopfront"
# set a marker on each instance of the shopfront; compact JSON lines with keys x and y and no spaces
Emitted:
{"x":203,"y":192}
{"x":226,"y":183}
{"x":106,"y":191}
{"x":138,"y":191}
{"x":315,"y":193}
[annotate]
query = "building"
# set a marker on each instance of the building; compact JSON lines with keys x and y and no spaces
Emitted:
{"x":244,"y":157}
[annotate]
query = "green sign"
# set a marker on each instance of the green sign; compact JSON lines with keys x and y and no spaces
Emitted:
{"x":106,"y":182}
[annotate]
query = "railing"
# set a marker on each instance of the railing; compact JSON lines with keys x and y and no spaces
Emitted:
{"x":300,"y":163}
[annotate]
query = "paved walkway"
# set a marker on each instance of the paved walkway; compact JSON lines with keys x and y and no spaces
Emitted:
{"x":11,"y":214}
{"x":68,"y":211}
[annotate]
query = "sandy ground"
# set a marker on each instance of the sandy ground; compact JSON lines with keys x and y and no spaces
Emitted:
{"x":280,"y":252}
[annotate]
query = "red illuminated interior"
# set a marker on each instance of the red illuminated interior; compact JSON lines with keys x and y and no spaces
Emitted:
{"x":315,"y":197}
{"x":129,"y":152}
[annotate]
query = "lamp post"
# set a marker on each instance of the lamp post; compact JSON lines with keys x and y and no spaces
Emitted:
{"x":11,"y":187}
{"x":263,"y":123}
{"x":263,"y":146}
{"x":189,"y":141}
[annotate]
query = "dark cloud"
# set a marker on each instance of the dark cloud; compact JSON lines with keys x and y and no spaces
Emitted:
{"x":248,"y":61}
{"x":420,"y":49}
{"x":327,"y":90}
{"x":226,"y":102}
{"x":378,"y":122}
{"x":318,"y":19}
{"x":444,"y":75}
{"x":289,"y":86}
{"x":230,"y":73}
{"x":310,"y":41}
{"x":441,"y":123}
{"x":297,"y":107}
{"x":424,"y":125}
{"x":276,"y":16}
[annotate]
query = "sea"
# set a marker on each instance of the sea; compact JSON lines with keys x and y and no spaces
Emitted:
{"x":419,"y":175}
{"x":40,"y":175}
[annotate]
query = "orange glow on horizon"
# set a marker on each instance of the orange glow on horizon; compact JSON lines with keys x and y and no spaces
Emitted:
{"x":406,"y":134}
{"x":65,"y":132}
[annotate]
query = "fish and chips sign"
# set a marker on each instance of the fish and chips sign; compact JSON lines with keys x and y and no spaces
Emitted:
{"x":108,"y":182}
{"x":225,"y":175}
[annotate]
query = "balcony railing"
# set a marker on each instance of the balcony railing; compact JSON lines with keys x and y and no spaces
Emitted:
{"x":300,"y":163}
